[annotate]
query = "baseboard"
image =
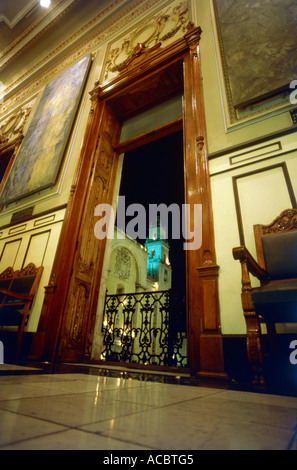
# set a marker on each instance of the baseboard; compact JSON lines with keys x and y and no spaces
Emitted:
{"x":280,"y":374}
{"x":9,"y":340}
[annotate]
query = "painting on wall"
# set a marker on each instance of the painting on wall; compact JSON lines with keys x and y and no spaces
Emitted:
{"x":258,"y":46}
{"x":39,"y":159}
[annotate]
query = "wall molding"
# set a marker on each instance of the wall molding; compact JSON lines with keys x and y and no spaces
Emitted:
{"x":34,"y":216}
{"x":250,"y":143}
{"x":249,"y":163}
{"x":35,"y":30}
{"x":283,"y":167}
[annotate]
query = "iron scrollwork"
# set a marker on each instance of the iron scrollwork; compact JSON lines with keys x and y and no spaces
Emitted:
{"x":144,"y":328}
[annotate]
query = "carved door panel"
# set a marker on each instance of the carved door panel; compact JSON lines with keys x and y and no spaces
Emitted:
{"x":79,"y":314}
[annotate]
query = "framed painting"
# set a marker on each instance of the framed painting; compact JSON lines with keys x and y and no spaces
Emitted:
{"x":258,"y":47}
{"x":39,"y":158}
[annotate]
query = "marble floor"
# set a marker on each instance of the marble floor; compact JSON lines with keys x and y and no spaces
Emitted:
{"x":89,"y":409}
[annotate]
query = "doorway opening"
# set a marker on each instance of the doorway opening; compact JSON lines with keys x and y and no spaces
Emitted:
{"x":145,"y":317}
{"x":71,"y":319}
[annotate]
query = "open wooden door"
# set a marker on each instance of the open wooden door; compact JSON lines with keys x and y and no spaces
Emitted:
{"x":69,"y":309}
{"x":67,"y":322}
{"x":80,"y":308}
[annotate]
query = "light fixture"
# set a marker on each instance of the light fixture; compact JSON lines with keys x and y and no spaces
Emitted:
{"x":45,"y":3}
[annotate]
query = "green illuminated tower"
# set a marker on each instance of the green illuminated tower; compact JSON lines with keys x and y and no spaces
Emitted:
{"x":158,"y":264}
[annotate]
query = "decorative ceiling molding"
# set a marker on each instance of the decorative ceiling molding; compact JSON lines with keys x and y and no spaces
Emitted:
{"x":35,"y":31}
{"x":19,"y":15}
{"x":46,"y":60}
{"x":133,"y":11}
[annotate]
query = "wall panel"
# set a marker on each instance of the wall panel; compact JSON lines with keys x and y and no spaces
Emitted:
{"x":36,"y":248}
{"x":253,"y":192}
{"x":249,"y":186}
{"x":9,"y":253}
{"x":33,"y":241}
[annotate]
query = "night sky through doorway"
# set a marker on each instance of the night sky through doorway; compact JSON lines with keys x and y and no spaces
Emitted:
{"x":154,"y":174}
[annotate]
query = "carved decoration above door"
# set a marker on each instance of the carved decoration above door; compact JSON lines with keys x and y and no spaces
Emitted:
{"x":168,"y":24}
{"x":13,"y":126}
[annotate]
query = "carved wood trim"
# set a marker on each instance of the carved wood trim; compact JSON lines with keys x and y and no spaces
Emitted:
{"x":151,"y":60}
{"x":8,"y":273}
{"x":285,"y":222}
{"x":79,"y":256}
{"x":8,"y":151}
{"x":143,"y":139}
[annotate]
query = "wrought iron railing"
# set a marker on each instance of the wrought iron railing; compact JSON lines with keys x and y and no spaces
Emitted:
{"x":145,"y":328}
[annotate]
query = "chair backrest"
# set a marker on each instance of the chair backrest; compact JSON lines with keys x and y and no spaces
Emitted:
{"x":24,"y":281}
{"x":276,"y":245}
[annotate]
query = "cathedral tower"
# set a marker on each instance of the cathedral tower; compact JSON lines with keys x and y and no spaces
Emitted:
{"x":158,"y":264}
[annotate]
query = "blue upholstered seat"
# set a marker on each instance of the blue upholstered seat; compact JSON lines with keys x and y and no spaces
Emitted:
{"x":275,"y":292}
{"x":280,"y":252}
{"x":277,"y":301}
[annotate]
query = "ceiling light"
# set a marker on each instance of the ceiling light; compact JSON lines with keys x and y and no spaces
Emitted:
{"x":45,"y":3}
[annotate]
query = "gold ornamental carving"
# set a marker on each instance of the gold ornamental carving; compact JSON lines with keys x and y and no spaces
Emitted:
{"x":13,"y":126}
{"x":163,"y":26}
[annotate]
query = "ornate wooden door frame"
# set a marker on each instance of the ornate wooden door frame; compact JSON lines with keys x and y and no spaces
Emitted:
{"x":67,"y":320}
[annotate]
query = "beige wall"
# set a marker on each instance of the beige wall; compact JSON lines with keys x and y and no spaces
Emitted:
{"x":253,"y":190}
{"x":250,"y":185}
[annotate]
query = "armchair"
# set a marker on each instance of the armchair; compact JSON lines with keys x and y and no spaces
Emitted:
{"x":275,"y":301}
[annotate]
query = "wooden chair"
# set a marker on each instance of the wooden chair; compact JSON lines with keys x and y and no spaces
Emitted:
{"x":17,"y":291}
{"x":275,"y":301}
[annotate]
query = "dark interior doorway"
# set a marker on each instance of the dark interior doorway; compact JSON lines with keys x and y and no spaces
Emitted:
{"x":152,"y":174}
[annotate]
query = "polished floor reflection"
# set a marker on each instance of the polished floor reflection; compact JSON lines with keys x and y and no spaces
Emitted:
{"x":89,"y":409}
